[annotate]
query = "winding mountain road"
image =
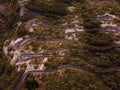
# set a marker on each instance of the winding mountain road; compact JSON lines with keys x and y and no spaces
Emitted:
{"x":45,"y":54}
{"x":25,"y":56}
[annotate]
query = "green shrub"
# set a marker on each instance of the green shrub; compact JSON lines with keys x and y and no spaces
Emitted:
{"x":45,"y":8}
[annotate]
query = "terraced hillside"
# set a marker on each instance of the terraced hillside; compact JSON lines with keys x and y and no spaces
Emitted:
{"x":60,"y":45}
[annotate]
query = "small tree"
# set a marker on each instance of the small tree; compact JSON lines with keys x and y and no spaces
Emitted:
{"x":30,"y":83}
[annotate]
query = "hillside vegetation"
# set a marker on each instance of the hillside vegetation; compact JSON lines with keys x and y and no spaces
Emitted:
{"x":79,"y":33}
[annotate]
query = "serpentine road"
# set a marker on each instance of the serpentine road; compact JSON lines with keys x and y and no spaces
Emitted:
{"x":57,"y":69}
{"x":45,"y":54}
{"x":31,"y":56}
{"x":25,"y":56}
